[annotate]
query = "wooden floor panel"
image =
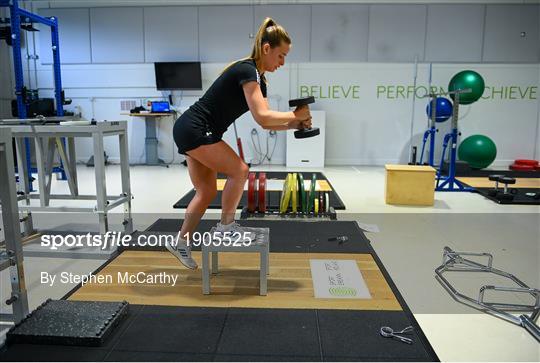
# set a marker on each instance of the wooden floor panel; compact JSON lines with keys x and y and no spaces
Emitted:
{"x":237,"y":284}
{"x":484,"y":182}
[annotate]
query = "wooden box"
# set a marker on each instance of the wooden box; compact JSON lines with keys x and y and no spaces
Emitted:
{"x":409,"y":184}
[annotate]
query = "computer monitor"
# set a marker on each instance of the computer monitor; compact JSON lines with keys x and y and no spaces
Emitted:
{"x":178,"y":76}
{"x":160,"y":107}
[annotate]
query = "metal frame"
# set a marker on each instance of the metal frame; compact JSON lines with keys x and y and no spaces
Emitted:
{"x":16,"y":13}
{"x":270,"y":212}
{"x":430,"y":133}
{"x":450,"y":183}
{"x":454,"y":261}
{"x":210,"y":251}
{"x":47,"y":137}
{"x":151,"y":141}
{"x":13,"y":256}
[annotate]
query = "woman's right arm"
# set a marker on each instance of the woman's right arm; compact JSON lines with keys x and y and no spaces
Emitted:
{"x":273,"y":120}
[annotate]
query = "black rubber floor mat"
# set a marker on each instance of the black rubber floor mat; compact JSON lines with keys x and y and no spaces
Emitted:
{"x":69,"y":323}
{"x":519,"y":196}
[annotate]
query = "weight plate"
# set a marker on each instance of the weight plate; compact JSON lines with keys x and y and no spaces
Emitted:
{"x":301,"y":194}
{"x":294,"y":193}
{"x":526,"y":162}
{"x":251,"y":192}
{"x":262,"y":192}
{"x":286,"y":195}
{"x":505,"y":197}
{"x":327,"y":202}
{"x":305,"y":133}
{"x":521,"y":167}
{"x":321,"y":202}
{"x":312,"y":195}
{"x":507,"y":180}
{"x":316,"y":206}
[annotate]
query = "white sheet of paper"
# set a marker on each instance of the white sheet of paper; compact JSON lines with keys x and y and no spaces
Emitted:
{"x":338,"y":279}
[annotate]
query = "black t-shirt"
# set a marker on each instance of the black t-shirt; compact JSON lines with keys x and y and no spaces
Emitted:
{"x":225,"y":101}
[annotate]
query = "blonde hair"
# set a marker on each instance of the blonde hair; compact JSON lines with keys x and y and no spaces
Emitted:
{"x":269,"y":32}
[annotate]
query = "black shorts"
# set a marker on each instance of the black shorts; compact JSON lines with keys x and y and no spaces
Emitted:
{"x":190,"y":132}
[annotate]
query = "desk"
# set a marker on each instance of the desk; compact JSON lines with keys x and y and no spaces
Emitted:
{"x":46,"y":140}
{"x":151,"y":141}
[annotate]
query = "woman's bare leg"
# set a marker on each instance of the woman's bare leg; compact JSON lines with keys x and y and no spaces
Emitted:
{"x":221,"y":158}
{"x":204,"y":181}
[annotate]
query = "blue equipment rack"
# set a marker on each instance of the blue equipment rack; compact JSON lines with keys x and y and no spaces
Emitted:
{"x":450,"y":183}
{"x":16,"y":14}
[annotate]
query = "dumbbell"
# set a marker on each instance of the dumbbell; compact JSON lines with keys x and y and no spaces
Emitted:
{"x":495,"y":178}
{"x":304,"y":133}
{"x":506,"y":180}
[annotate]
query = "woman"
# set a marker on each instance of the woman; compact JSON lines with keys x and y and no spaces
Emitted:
{"x":198,"y":134}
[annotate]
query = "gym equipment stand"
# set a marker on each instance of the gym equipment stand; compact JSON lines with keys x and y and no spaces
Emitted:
{"x":16,"y":14}
{"x":430,"y":133}
{"x":12,"y":258}
{"x":53,"y":132}
{"x":450,"y":183}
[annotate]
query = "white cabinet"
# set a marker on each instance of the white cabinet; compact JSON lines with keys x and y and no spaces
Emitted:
{"x":307,"y":152}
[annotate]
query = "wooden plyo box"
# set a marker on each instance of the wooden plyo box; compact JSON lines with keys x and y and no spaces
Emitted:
{"x":409,"y":184}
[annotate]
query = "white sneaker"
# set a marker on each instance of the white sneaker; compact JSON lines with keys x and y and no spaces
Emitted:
{"x":236,"y":233}
{"x":182,"y":252}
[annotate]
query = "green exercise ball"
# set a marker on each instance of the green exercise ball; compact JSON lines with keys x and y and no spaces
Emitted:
{"x":467,"y":79}
{"x":478,"y":151}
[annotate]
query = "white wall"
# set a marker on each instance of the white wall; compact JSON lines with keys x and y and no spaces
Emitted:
{"x":375,"y":128}
{"x":363,"y":126}
{"x":368,"y":118}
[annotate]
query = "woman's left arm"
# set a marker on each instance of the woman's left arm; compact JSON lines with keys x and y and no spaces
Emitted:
{"x":273,"y":120}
